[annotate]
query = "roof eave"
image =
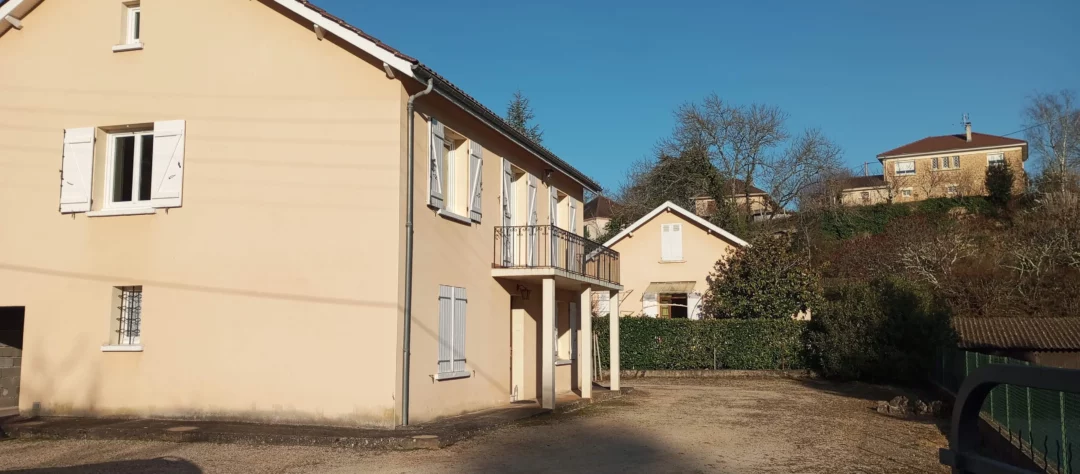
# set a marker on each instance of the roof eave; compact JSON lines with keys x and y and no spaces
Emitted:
{"x":951,"y":150}
{"x":454,"y":95}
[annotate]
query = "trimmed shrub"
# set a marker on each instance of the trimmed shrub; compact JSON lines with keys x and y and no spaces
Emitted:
{"x":887,"y":330}
{"x":765,"y":280}
{"x":681,"y":344}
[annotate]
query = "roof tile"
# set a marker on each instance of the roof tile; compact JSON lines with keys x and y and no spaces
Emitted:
{"x":950,"y":143}
{"x":1051,"y":334}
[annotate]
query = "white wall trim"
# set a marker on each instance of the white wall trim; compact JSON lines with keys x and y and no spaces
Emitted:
{"x":453,"y":375}
{"x":127,"y":47}
{"x":454,"y":216}
{"x":690,"y":216}
{"x":954,"y":151}
{"x":122,"y":211}
{"x":122,"y":348}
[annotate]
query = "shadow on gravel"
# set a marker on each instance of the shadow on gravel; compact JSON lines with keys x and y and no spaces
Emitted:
{"x":156,"y":466}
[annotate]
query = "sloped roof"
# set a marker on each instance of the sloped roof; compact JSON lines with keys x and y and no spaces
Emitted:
{"x":689,"y":216}
{"x":1049,"y":334}
{"x":599,"y":206}
{"x":400,"y":61}
{"x":738,"y":185}
{"x":873,"y":181}
{"x":945,"y":143}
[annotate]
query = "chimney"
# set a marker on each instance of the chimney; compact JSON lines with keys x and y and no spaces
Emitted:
{"x":866,"y":168}
{"x":967,"y":127}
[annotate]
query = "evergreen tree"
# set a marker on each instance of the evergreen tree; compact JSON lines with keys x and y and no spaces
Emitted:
{"x":520,"y":115}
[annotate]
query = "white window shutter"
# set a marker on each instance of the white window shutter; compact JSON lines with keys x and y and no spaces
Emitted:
{"x":446,"y":329}
{"x":573,"y":216}
{"x":693,"y":300}
{"x":676,"y":242}
{"x":553,"y":207}
{"x":532,"y":221}
{"x":167,"y":172}
{"x":574,"y":315}
{"x":507,"y":184}
{"x":476,"y":176}
{"x":665,"y":242}
{"x":77,"y":172}
{"x":460,"y":303}
{"x":649,"y":305}
{"x":435,"y":182}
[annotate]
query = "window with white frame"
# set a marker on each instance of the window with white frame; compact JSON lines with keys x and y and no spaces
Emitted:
{"x":904,"y":168}
{"x":934,"y":163}
{"x":946,"y":162}
{"x":142,"y":169}
{"x":956,"y":161}
{"x":452,"y":311}
{"x":906,"y":192}
{"x":126,"y":316}
{"x":952,"y":190}
{"x":671,"y":245}
{"x":133,"y":25}
{"x":129,"y":169}
{"x":995,"y":159}
{"x":865,"y":197}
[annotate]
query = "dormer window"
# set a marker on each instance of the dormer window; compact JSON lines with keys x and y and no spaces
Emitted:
{"x":132,"y":24}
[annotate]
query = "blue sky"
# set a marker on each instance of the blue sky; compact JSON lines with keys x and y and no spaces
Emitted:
{"x":604,"y":76}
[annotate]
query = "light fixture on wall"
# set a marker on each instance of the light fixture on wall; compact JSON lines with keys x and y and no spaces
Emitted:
{"x":524,"y":291}
{"x":547,"y":173}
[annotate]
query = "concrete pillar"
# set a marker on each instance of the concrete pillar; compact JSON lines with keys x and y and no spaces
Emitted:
{"x":584,"y":354}
{"x":547,"y":348}
{"x":613,"y":331}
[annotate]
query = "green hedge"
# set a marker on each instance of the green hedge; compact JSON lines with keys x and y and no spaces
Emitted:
{"x":681,"y":344}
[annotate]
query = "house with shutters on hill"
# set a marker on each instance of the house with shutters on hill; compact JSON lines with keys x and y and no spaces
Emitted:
{"x":284,"y":221}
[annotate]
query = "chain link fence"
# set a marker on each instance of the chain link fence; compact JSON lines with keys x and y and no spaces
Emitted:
{"x":1043,"y":424}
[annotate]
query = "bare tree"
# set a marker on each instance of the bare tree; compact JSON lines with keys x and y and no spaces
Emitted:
{"x":810,"y":159}
{"x":736,"y":139}
{"x":1053,"y":133}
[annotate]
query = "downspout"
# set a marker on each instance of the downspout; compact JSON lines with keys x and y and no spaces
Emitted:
{"x":407,"y":337}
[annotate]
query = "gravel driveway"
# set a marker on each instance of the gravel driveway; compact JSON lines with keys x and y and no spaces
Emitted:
{"x":667,"y":425}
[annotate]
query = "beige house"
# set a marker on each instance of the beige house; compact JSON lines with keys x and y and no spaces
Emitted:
{"x":251,"y":210}
{"x":950,"y":165}
{"x":598,"y":213}
{"x":665,"y":257}
{"x":863,"y":191}
{"x":757,"y":202}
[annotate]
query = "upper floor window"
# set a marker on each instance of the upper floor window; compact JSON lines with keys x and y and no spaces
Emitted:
{"x":995,"y":159}
{"x":903,"y":168}
{"x":956,"y":161}
{"x":455,"y":175}
{"x":127,"y":171}
{"x":946,"y":162}
{"x":132,"y":28}
{"x":142,"y":169}
{"x":134,"y":23}
{"x":671,"y":243}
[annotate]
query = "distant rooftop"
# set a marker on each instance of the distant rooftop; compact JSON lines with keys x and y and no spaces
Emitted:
{"x":951,"y":142}
{"x":1047,"y":334}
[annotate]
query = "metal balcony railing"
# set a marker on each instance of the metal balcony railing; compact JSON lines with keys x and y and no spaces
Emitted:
{"x":547,"y":246}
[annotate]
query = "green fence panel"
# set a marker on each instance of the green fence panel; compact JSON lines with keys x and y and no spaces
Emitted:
{"x":1046,"y":421}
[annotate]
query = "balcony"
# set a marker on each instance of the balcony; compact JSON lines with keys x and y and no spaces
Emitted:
{"x":537,"y":251}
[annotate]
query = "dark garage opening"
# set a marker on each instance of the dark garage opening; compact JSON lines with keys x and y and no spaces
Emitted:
{"x":12,"y":319}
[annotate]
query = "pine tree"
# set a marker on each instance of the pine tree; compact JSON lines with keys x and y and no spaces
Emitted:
{"x":519,"y":114}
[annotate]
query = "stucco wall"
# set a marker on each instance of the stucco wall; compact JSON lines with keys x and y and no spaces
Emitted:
{"x":854,"y":197}
{"x":640,"y":258}
{"x":448,"y":252}
{"x":272,"y":294}
{"x":970,"y":178}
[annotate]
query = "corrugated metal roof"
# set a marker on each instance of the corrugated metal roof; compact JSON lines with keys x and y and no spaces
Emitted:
{"x":670,"y":287}
{"x":1052,"y":334}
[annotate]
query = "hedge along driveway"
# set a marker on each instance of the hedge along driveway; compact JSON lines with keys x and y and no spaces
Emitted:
{"x":682,"y":344}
